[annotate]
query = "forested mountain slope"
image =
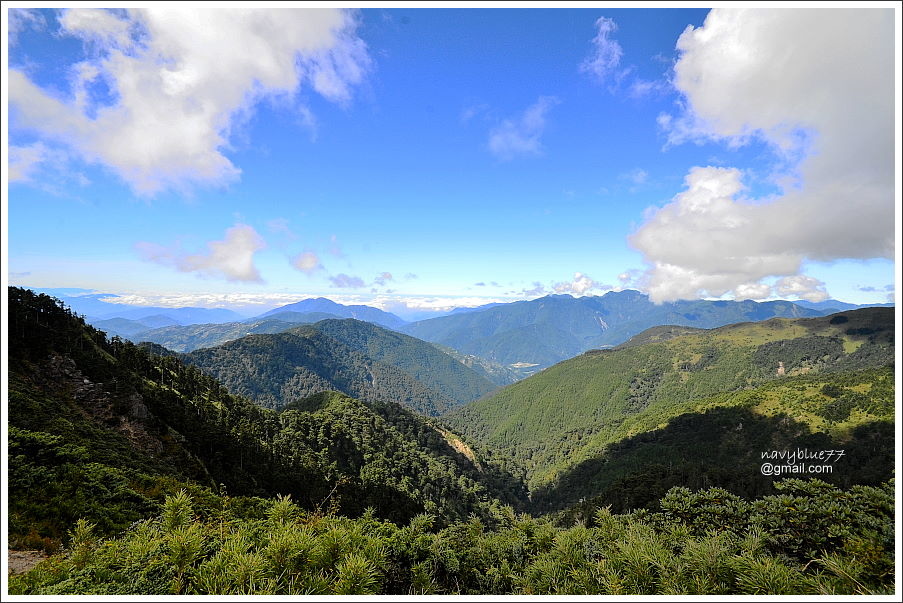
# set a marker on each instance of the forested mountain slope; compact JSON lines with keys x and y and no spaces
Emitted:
{"x":437,"y":369}
{"x":276,"y":369}
{"x":157,"y":481}
{"x":103,"y":429}
{"x":570,"y":412}
{"x":538,"y":333}
{"x":423,"y":361}
{"x":720,"y":441}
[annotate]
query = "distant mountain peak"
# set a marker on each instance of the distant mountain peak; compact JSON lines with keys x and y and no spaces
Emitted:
{"x":323,"y":304}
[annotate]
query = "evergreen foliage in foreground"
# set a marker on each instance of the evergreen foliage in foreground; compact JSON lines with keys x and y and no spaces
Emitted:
{"x":811,"y":538}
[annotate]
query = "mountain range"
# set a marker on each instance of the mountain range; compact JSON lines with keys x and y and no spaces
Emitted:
{"x":327,"y":306}
{"x":357,"y":358}
{"x":102,"y":430}
{"x":303,"y":461}
{"x":505,"y":341}
{"x":826,"y":375}
{"x":532,"y":335}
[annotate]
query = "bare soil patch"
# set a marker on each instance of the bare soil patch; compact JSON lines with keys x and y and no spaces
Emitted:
{"x":22,"y":561}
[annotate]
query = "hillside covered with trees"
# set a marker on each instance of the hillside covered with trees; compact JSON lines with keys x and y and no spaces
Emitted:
{"x":102,"y":429}
{"x":830,"y":375}
{"x":146,"y":475}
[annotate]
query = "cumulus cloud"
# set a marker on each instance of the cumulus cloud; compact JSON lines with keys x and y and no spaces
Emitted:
{"x":232,"y":258}
{"x":582,"y":284}
{"x":818,"y":87}
{"x":753,"y":291}
{"x":803,"y":287}
{"x":344,"y":281}
{"x":307,"y":262}
{"x":164,"y":88}
{"x":521,"y":135}
{"x":604,"y":60}
{"x":383,"y":278}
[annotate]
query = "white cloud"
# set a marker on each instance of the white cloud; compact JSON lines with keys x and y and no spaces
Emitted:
{"x":253,"y":302}
{"x":754,"y":291}
{"x":232,"y":258}
{"x":605,"y":58}
{"x":817,"y":85}
{"x":383,"y":278}
{"x":307,"y":262}
{"x":180,"y":81}
{"x":402,"y":305}
{"x":413,"y":307}
{"x":582,"y":284}
{"x":521,"y":136}
{"x":24,"y":160}
{"x":344,"y":281}
{"x":803,"y":287}
{"x":97,"y":25}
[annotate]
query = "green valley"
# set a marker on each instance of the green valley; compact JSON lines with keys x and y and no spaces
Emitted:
{"x":570,"y":412}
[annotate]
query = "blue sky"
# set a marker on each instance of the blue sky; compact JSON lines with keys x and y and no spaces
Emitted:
{"x":423,"y":159}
